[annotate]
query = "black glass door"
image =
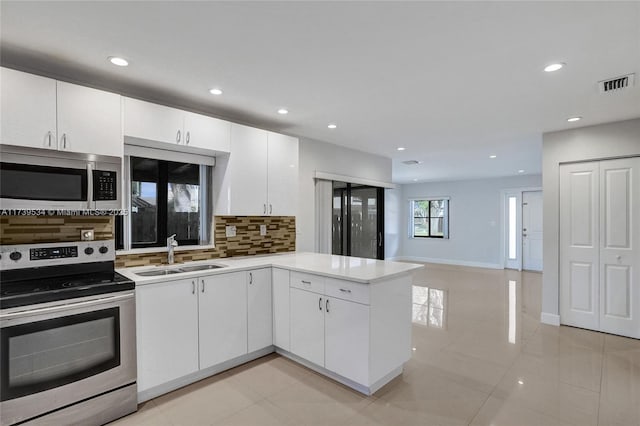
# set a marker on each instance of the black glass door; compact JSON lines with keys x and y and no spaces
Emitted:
{"x":358,"y":220}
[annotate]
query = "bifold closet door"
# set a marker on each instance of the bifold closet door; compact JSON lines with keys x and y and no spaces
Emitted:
{"x":619,"y":251}
{"x":599,"y":239}
{"x":579,"y":244}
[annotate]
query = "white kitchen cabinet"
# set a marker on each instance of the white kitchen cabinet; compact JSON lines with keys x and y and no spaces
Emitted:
{"x":260,"y":176}
{"x":259,"y":309}
{"x":89,"y":120}
{"x":39,"y":112}
{"x":167,"y":332}
{"x":281,"y":320}
{"x":282,"y":174}
{"x":307,"y":325}
{"x":222,"y":318}
{"x":346,"y":332}
{"x":181,"y":129}
{"x":28,"y":110}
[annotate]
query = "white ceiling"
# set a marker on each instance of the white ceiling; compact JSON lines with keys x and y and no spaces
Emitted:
{"x":453,"y":82}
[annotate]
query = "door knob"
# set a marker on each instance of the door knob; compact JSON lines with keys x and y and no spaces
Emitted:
{"x":524,"y":235}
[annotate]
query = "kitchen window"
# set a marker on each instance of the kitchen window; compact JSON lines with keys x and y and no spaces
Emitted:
{"x":166,"y":198}
{"x":429,"y":218}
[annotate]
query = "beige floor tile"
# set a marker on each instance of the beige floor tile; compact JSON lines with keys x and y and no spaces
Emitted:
{"x":620,"y":392}
{"x":262,"y":413}
{"x":500,"y":412}
{"x":148,"y":414}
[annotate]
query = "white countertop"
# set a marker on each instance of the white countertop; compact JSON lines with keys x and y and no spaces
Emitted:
{"x":341,"y":267}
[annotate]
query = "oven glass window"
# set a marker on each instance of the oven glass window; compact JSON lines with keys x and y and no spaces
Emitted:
{"x":46,"y":354}
{"x":27,"y":182}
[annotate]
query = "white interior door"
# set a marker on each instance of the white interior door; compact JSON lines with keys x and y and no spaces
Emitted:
{"x":579,"y":244}
{"x":532,"y":230}
{"x":619,"y":252}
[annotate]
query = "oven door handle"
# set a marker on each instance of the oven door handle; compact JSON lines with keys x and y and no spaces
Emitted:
{"x":66,"y":307}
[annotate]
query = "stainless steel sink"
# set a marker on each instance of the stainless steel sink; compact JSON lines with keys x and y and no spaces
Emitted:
{"x":158,"y":272}
{"x":199,"y":268}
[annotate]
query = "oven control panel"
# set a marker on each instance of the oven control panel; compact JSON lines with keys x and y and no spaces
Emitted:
{"x":48,"y":254}
{"x":53,"y":252}
{"x":105,"y":184}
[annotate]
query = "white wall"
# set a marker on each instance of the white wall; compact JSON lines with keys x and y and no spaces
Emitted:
{"x":325,"y":157}
{"x":475,"y":230}
{"x":584,"y":144}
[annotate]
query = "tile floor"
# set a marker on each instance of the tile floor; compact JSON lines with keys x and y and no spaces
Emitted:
{"x":481,"y":358}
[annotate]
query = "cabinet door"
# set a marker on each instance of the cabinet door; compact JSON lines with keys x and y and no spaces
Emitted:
{"x":28,"y":110}
{"x":153,"y":122}
{"x":281,"y":309}
{"x":206,"y":132}
{"x":248,"y":171}
{"x":89,"y":120}
{"x":260,"y":312}
{"x":347,"y":339}
{"x":282,"y":180}
{"x":223,"y":318}
{"x":307,"y":325}
{"x":167,"y":332}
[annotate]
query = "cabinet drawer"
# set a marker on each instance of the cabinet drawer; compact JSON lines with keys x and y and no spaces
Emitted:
{"x":307,"y":282}
{"x":347,"y":290}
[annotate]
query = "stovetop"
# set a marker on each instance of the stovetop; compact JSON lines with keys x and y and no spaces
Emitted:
{"x":52,"y":283}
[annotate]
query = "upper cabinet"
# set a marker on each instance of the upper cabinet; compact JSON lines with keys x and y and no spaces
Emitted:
{"x":152,"y":122}
{"x":39,"y":112}
{"x":260,"y":177}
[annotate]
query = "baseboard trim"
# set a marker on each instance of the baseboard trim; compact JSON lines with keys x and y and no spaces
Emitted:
{"x":449,"y":262}
{"x":550,"y":319}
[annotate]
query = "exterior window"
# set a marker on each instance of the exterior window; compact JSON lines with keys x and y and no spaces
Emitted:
{"x":430,"y":218}
{"x":167,"y":198}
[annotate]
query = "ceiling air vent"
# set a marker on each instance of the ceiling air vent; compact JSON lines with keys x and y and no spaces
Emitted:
{"x":411,"y":162}
{"x":616,"y":84}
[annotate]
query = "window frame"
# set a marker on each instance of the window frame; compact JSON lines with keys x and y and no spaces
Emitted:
{"x":123,"y":230}
{"x":412,"y":218}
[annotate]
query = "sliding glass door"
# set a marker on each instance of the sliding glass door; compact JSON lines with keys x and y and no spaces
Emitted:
{"x":358,"y":220}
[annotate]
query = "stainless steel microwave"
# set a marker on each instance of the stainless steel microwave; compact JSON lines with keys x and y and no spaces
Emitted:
{"x":32,"y":178}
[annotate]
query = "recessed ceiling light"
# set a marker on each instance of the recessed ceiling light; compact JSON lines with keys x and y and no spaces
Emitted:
{"x":520,"y":171}
{"x":493,"y":156}
{"x":521,"y":382}
{"x":332,"y":126}
{"x":215,"y":92}
{"x":572,"y":119}
{"x":553,"y":67}
{"x":121,"y":62}
{"x":283,"y":111}
{"x":401,"y":148}
{"x":414,"y":349}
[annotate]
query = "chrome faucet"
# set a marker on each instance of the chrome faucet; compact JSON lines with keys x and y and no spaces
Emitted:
{"x":171,"y":244}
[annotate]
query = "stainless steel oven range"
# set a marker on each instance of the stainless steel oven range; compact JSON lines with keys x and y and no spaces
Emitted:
{"x":67,"y":335}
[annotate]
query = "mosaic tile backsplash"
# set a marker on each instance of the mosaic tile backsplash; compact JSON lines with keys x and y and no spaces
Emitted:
{"x":281,"y":236}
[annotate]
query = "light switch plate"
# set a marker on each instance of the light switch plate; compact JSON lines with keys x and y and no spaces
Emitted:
{"x":230,"y":231}
{"x":263,"y":230}
{"x":86,"y":235}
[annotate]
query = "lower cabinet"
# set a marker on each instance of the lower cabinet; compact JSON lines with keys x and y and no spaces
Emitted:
{"x":259,"y":309}
{"x":281,"y":314}
{"x":167,"y":332}
{"x":307,"y":325}
{"x":222,"y":318}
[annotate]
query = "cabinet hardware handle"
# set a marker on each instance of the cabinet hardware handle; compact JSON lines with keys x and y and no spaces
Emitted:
{"x":264,"y":209}
{"x":250,"y":278}
{"x":345,"y":290}
{"x":326,"y":306}
{"x":202,"y":285}
{"x":49,"y":136}
{"x":320,"y":303}
{"x":193,"y":287}
{"x":64,"y":140}
{"x":270,"y":208}
{"x":379,"y":239}
{"x":618,"y":257}
{"x":306,"y":282}
{"x":178,"y":135}
{"x":187,"y":138}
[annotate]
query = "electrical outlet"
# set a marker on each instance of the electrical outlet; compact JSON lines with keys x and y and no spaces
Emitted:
{"x":263,"y":230}
{"x":86,"y":235}
{"x":230,"y":230}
